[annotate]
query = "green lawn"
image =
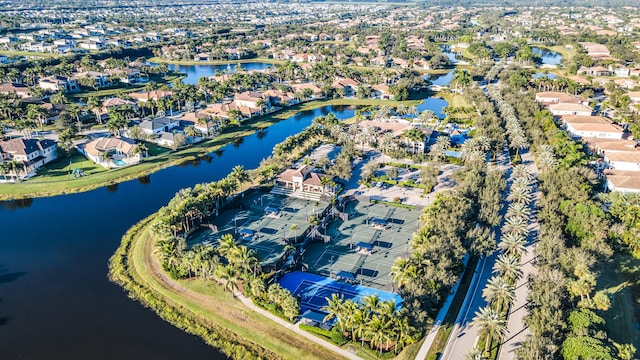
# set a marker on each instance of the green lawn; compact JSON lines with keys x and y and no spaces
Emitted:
{"x":454,"y":100}
{"x":125,"y":88}
{"x":29,"y":53}
{"x":209,"y":303}
{"x":621,"y":279}
{"x":155,"y":150}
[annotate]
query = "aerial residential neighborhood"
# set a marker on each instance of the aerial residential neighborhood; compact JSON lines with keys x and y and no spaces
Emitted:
{"x":320,"y":180}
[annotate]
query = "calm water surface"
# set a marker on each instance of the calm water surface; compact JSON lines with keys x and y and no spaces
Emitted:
{"x":55,"y":299}
{"x":549,"y":57}
{"x":195,"y":72}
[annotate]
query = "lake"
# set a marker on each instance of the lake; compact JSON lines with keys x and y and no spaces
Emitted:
{"x":549,"y":57}
{"x":195,"y":72}
{"x":55,"y":299}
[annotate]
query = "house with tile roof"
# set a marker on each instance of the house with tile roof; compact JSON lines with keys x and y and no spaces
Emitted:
{"x":59,"y":83}
{"x":304,"y":182}
{"x":111,"y":152}
{"x":623,"y":181}
{"x":30,"y":154}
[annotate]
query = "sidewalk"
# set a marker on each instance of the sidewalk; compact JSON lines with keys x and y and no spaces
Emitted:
{"x":437,"y":323}
{"x":294,"y":327}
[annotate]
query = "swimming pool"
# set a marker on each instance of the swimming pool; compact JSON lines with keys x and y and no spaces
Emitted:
{"x":119,"y":162}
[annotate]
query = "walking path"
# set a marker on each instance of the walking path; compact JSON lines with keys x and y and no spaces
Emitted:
{"x":516,"y":329}
{"x":294,"y":327}
{"x":437,"y":323}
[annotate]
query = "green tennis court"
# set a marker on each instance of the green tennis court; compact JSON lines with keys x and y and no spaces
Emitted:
{"x":365,"y":245}
{"x":266,"y":223}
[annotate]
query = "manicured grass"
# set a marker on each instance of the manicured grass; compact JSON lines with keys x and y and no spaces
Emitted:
{"x":214,"y":62}
{"x":155,"y":150}
{"x":450,"y":319}
{"x":57,"y":183}
{"x":454,"y":100}
{"x":210,"y":304}
{"x":620,"y":277}
{"x":29,"y":53}
{"x":567,"y":54}
{"x":126,"y":88}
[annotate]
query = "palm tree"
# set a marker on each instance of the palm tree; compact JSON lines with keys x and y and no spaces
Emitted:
{"x":520,"y":194}
{"x":508,"y":266}
{"x":462,"y":78}
{"x":404,"y":272}
{"x":438,"y":149}
{"x":491,"y":323}
{"x":245,"y":260}
{"x":141,"y":149}
{"x":294,"y":229}
{"x":518,"y":142}
{"x":226,"y":275}
{"x":513,"y":244}
{"x":240,"y":176}
{"x":518,"y":209}
{"x":227,"y":245}
{"x":516,"y":225}
{"x":500,"y":292}
{"x":474,"y":354}
{"x":521,"y":171}
{"x":335,"y":309}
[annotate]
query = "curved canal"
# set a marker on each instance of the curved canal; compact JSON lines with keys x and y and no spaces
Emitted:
{"x":55,"y":299}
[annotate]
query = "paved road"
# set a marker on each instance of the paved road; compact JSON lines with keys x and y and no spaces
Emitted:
{"x":464,"y":336}
{"x":516,"y":329}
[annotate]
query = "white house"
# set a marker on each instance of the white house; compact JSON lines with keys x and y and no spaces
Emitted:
{"x":580,"y":126}
{"x":560,"y":109}
{"x":554,"y":97}
{"x":626,"y":161}
{"x":111,"y":152}
{"x":158,"y":125}
{"x":31,"y":154}
{"x":59,"y":83}
{"x":623,"y":181}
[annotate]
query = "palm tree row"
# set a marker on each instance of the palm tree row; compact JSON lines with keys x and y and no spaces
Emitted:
{"x":371,"y":320}
{"x":500,"y":289}
{"x":515,"y":132}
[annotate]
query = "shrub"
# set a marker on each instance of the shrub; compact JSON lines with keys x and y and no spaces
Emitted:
{"x":333,"y":336}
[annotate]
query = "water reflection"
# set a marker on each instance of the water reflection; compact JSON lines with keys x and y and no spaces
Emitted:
{"x":145,"y":180}
{"x":16,"y":204}
{"x":113,"y":187}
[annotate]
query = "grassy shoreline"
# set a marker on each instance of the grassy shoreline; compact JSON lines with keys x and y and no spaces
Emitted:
{"x":200,"y":308}
{"x":160,"y":60}
{"x":41,"y":186}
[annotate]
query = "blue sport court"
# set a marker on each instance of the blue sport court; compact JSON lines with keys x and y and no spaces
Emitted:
{"x":313,"y":290}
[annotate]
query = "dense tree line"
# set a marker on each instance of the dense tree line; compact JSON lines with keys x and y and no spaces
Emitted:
{"x":573,"y":239}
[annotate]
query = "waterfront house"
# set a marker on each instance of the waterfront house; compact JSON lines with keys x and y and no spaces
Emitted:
{"x":111,"y":152}
{"x":30,"y":154}
{"x":158,"y":125}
